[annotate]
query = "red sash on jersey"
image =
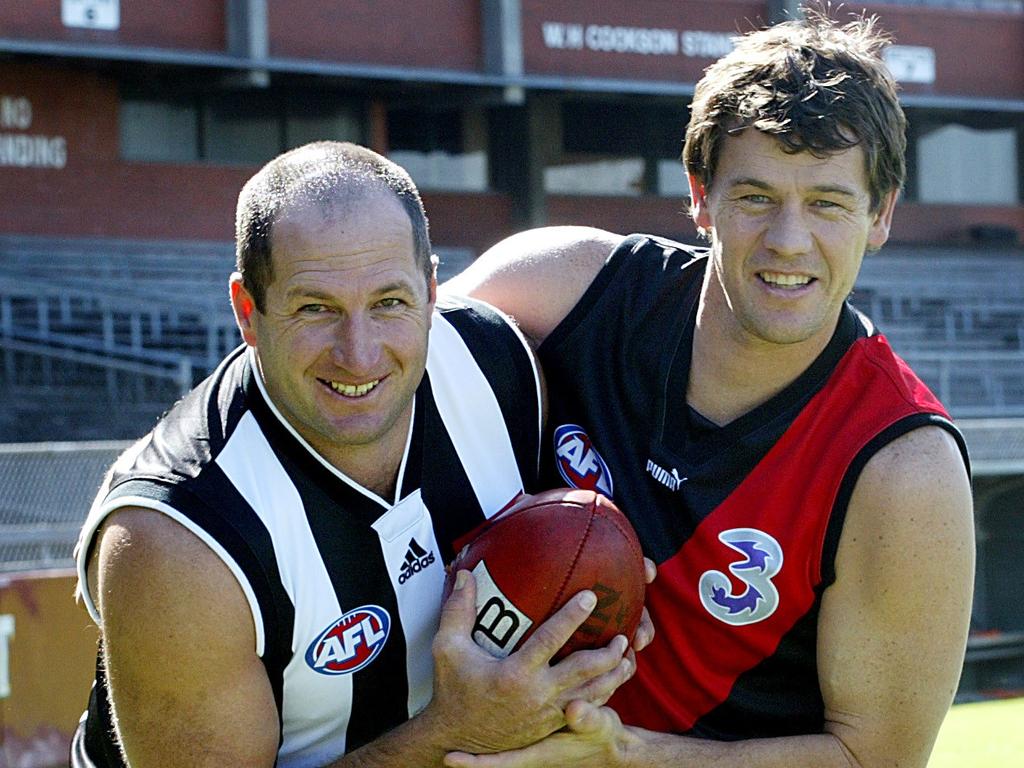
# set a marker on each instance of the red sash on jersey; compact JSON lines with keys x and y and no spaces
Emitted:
{"x":696,"y":658}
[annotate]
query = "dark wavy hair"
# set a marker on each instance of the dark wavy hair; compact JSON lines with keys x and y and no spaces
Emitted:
{"x":816,"y":85}
{"x":326,"y":173}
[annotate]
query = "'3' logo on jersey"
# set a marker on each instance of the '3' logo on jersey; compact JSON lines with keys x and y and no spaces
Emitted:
{"x":762,"y":560}
{"x":579,"y":463}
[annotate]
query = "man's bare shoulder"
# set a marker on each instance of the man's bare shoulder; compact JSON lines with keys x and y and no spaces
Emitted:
{"x":925,"y":462}
{"x":164,"y":594}
{"x":143,"y":552}
{"x":537,"y":276}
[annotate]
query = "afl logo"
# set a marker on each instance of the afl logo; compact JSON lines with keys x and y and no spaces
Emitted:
{"x":351,"y":642}
{"x":579,"y":463}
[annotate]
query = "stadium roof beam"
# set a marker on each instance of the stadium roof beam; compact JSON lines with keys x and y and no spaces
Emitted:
{"x":249,"y":37}
{"x":503,"y":43}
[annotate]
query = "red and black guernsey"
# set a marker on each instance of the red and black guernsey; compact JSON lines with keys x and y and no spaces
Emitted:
{"x":743,"y":520}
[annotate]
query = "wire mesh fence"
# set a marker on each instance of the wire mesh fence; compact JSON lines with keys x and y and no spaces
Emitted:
{"x":45,"y":493}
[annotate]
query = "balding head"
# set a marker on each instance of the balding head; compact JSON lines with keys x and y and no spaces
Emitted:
{"x":332,"y":175}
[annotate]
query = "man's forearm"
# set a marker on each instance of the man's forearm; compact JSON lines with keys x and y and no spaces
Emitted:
{"x":648,"y":748}
{"x":416,"y":743}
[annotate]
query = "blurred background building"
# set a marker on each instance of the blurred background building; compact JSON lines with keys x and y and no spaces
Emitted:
{"x":128,"y":128}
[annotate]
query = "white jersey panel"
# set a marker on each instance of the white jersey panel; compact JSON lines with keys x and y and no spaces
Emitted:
{"x":315,"y":721}
{"x":472,"y":416}
{"x":417,"y":576}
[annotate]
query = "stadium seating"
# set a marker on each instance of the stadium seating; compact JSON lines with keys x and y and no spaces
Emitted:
{"x":98,"y":337}
{"x":957,"y":316}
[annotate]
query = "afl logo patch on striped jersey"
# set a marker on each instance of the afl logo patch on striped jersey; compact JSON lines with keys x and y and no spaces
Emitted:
{"x":579,"y":463}
{"x":351,"y":642}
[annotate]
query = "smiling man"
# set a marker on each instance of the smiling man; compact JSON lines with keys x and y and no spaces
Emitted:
{"x":804,"y":495}
{"x":266,"y":566}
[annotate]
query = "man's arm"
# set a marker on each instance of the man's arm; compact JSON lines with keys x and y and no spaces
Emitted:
{"x":187,"y":687}
{"x":892,"y":632}
{"x":537,"y":276}
{"x":179,"y":647}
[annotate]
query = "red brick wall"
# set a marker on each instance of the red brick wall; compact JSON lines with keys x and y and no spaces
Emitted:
{"x":950,"y":224}
{"x":727,"y":16}
{"x":664,"y":216}
{"x":977,"y":54}
{"x":187,"y":24}
{"x":442,"y":34}
{"x":97,"y":193}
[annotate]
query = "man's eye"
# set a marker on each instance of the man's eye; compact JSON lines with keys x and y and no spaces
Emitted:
{"x":312,"y":309}
{"x":826,"y":204}
{"x":757,"y":199}
{"x":390,"y":302}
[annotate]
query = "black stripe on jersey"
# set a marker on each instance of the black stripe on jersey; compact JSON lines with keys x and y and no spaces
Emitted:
{"x":447,"y":492}
{"x":247,"y":541}
{"x":350,"y":549}
{"x":226,"y":410}
{"x":510,"y":375}
{"x":744,"y":713}
{"x":879,"y":441}
{"x":287,"y":447}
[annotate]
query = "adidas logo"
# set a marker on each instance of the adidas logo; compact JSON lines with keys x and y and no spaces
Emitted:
{"x":416,"y":559}
{"x":670,"y":480}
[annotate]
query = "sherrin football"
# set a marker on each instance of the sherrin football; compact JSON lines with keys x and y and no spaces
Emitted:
{"x":540,"y":552}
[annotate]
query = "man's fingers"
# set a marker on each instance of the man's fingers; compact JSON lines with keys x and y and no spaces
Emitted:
{"x":550,"y":636}
{"x":581,"y":666}
{"x":585,"y":719}
{"x":644,"y":632}
{"x":597,"y":690}
{"x":458,"y":614}
{"x":650,"y":570}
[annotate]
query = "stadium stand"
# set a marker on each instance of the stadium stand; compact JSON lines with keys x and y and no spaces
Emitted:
{"x":44,"y":490}
{"x":957,"y":316}
{"x":99,"y":337}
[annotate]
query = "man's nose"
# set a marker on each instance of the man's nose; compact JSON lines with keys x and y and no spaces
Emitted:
{"x":788,"y":232}
{"x":356,"y":345}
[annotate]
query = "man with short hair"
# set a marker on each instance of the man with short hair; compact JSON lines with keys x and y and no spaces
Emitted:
{"x":804,"y":495}
{"x":266,"y":566}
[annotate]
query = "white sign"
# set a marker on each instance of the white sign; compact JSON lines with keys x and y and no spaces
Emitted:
{"x":6,"y":633}
{"x":911,"y":63}
{"x":641,"y":40}
{"x":91,"y":14}
{"x":22,"y":150}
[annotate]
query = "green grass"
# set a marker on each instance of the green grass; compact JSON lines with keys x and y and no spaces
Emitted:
{"x":988,"y":734}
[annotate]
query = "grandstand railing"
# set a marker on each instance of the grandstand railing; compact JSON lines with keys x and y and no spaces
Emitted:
{"x":45,"y":493}
{"x":152,"y":326}
{"x":970,"y":384}
{"x":174,"y":368}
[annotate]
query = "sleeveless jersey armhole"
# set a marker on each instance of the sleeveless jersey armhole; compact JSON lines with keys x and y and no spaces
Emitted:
{"x":833,"y":532}
{"x":100,"y":513}
{"x":593,"y":294}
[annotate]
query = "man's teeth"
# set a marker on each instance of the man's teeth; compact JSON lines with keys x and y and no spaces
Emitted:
{"x":774,"y":278}
{"x":354,"y":390}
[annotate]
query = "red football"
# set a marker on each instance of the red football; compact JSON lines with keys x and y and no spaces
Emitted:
{"x":539,"y":553}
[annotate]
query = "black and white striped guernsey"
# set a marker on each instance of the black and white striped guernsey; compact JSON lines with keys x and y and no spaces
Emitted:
{"x":344,"y":586}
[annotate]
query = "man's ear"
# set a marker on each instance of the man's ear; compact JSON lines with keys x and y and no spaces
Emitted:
{"x":432,"y":285}
{"x":879,"y":232}
{"x":699,"y":203}
{"x":244,"y":307}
